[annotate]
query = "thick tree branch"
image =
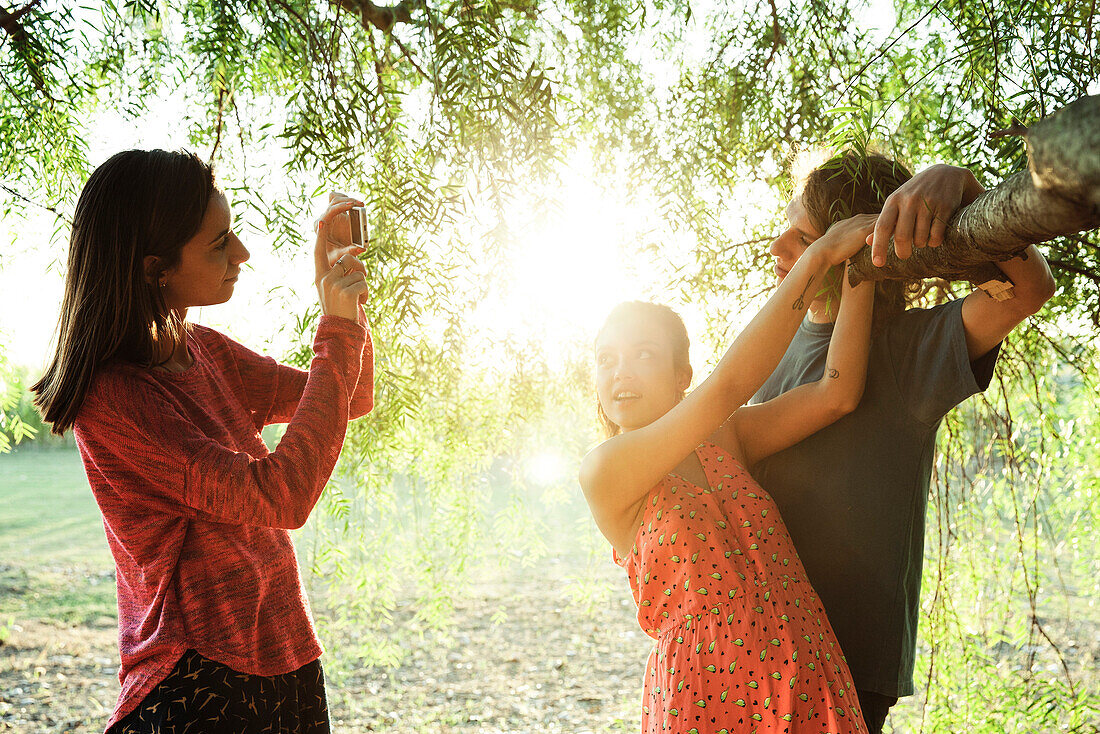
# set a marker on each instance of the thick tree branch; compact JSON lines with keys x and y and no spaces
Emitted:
{"x":10,"y":21}
{"x":305,"y":31}
{"x":1063,"y":153}
{"x":382,"y":17}
{"x":1058,"y":195}
{"x":1016,"y":129}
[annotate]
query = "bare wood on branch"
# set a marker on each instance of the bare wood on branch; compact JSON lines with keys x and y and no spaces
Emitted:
{"x":382,"y":17}
{"x":1058,"y":195}
{"x":9,"y":21}
{"x":1064,"y":153}
{"x":1016,"y":130}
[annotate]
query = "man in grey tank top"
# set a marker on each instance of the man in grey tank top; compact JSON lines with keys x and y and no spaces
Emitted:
{"x":854,"y":494}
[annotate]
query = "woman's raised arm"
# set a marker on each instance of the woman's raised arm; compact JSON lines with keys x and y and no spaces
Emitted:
{"x":758,"y":431}
{"x":619,"y":473}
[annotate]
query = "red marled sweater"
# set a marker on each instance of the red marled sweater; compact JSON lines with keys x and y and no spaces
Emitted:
{"x":196,"y":508}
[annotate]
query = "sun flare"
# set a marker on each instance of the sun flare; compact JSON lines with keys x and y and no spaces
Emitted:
{"x":567,"y":268}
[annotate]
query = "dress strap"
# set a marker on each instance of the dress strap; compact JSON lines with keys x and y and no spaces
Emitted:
{"x":717,"y":463}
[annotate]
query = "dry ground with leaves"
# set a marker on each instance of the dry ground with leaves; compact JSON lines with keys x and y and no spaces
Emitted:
{"x":515,"y":662}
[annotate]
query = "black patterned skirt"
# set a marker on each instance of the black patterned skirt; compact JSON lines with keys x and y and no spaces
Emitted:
{"x":200,"y":695}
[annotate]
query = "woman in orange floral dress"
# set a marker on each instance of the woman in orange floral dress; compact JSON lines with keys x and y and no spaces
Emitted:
{"x":742,"y":642}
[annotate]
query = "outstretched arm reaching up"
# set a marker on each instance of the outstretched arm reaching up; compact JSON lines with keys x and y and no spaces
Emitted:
{"x":758,"y":431}
{"x":618,"y":474}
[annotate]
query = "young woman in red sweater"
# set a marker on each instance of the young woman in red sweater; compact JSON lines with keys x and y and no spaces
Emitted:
{"x":215,"y":631}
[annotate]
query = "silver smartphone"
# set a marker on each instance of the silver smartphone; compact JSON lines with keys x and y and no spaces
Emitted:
{"x":358,"y":216}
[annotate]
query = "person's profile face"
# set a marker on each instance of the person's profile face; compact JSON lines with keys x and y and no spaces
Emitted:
{"x":799,"y":235}
{"x":209,"y":262}
{"x":636,"y":381}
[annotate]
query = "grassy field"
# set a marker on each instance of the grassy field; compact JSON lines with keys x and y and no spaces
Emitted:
{"x":54,"y":561}
{"x":55,"y":519}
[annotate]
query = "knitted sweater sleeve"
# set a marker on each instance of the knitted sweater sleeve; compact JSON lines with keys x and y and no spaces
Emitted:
{"x":362,"y":401}
{"x":143,"y":443}
{"x":272,"y":390}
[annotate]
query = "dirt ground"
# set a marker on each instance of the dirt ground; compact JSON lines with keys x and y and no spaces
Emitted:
{"x":518,"y":658}
{"x":515,"y":663}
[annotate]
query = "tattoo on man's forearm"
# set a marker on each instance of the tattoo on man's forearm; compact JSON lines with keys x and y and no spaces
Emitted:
{"x":834,"y":373}
{"x":800,"y":302}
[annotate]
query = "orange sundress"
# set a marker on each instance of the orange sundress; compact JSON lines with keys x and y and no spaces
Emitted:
{"x":742,"y":642}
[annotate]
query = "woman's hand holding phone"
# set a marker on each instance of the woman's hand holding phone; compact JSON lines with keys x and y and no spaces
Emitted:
{"x":340,"y":277}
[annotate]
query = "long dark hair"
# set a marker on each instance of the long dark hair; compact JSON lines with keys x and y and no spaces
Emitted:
{"x":669,"y":321}
{"x":858,"y":182}
{"x":138,"y":203}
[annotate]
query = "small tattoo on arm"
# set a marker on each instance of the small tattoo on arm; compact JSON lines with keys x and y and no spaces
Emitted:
{"x":834,"y":373}
{"x":800,"y":302}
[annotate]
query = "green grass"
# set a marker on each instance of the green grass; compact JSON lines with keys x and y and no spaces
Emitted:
{"x":55,"y":561}
{"x":50,"y":517}
{"x":63,"y":596}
